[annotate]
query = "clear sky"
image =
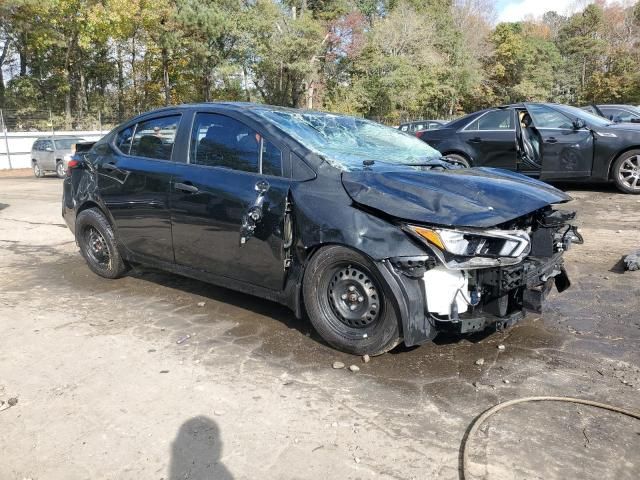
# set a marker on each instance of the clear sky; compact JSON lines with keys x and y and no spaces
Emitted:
{"x":514,"y":10}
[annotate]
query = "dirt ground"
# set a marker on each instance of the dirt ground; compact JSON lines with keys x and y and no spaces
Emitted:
{"x":131,"y":379}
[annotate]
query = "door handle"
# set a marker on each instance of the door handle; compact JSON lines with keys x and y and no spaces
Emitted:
{"x":185,"y":187}
{"x":476,"y":140}
{"x":552,"y":140}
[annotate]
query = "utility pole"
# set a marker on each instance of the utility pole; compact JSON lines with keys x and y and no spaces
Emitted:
{"x":6,"y":140}
{"x":53,"y":133}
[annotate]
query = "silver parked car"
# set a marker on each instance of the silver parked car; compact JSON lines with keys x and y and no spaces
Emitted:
{"x":51,"y":154}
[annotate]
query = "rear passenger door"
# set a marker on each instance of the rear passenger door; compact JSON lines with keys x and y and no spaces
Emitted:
{"x":492,"y":139}
{"x":47,"y":156}
{"x":229,"y":201}
{"x":134,"y":177}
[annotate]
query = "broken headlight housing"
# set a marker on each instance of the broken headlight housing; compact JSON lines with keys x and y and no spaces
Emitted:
{"x":468,"y":249}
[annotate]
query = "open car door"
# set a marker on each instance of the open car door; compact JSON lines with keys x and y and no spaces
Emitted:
{"x":565,"y":150}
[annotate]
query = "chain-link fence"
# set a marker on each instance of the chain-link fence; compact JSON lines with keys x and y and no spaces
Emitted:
{"x":48,"y":120}
{"x":19,"y":129}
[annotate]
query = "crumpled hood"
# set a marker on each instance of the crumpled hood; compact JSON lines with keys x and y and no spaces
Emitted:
{"x":470,"y":197}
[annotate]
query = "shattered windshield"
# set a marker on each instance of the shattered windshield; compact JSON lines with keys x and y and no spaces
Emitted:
{"x":347,"y":142}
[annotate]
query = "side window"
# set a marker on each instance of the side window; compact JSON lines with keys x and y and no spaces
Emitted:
{"x":155,"y":138}
{"x":545,"y":117}
{"x":221,"y":141}
{"x":47,"y":144}
{"x":36,"y":145}
{"x":618,"y":115}
{"x":123,"y":139}
{"x":494,"y":120}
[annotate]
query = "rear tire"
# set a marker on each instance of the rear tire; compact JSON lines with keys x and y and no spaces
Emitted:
{"x":37,"y":171}
{"x":98,"y":244}
{"x":626,"y":172}
{"x":60,"y":171}
{"x":349,"y":303}
{"x":460,"y":159}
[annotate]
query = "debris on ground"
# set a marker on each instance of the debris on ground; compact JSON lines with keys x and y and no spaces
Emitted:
{"x":632,"y":261}
{"x":501,"y":347}
{"x":354,"y":368}
{"x":10,"y":403}
{"x":164,"y":371}
{"x":338,"y":365}
{"x":201,"y":304}
{"x":218,"y":413}
{"x":181,"y":340}
{"x":366,"y":358}
{"x":480,"y":361}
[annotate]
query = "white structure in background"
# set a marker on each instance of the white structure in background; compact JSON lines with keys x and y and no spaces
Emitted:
{"x":20,"y":143}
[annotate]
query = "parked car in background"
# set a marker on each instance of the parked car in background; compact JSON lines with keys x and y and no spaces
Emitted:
{"x":548,"y":141}
{"x":52,"y":154}
{"x":412,"y":127}
{"x":363,"y":227}
{"x":616,"y":113}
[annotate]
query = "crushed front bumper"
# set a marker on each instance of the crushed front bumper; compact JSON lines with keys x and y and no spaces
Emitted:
{"x":505,"y":294}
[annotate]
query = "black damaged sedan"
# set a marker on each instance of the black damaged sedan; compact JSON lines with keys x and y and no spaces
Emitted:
{"x":363,"y":228}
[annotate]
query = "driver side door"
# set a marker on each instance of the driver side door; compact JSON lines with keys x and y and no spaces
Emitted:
{"x":566,"y":152}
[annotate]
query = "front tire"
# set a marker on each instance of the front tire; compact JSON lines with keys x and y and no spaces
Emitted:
{"x":626,"y":172}
{"x":37,"y":171}
{"x":460,"y":159}
{"x":98,"y":244}
{"x":60,"y":171}
{"x":349,"y":303}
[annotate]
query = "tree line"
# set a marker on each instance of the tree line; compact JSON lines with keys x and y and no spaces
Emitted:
{"x":391,"y":60}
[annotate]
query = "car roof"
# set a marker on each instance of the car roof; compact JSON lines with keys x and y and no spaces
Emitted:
{"x":617,"y":105}
{"x":59,"y":137}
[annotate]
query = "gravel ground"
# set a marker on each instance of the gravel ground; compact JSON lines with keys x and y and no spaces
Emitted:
{"x":155,"y":376}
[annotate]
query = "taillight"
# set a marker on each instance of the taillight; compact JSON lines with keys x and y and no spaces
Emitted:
{"x":71,"y":165}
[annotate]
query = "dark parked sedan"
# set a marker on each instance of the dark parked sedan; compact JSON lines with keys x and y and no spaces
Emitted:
{"x":363,"y":227}
{"x":616,"y":113}
{"x":549,"y":141}
{"x":417,"y":125}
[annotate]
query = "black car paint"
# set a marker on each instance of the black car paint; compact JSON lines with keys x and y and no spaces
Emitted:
{"x":478,"y":197}
{"x":584,"y":154}
{"x":198,"y":233}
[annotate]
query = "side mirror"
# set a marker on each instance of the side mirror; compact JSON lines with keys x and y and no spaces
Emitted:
{"x":578,"y":124}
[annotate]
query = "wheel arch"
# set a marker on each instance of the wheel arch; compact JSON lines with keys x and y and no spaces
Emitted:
{"x":460,"y":152}
{"x":615,"y":157}
{"x":87,"y":204}
{"x":398,"y":299}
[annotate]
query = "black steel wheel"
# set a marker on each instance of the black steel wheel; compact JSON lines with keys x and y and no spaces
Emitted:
{"x":626,"y":172}
{"x":98,"y":245}
{"x":349,"y":303}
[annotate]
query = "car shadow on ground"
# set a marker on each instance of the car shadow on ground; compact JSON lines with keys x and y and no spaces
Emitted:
{"x":587,"y":187}
{"x":229,"y":297}
{"x":271,"y":309}
{"x":196,"y":451}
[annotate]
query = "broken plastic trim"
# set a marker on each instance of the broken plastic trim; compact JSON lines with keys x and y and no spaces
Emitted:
{"x":457,"y":262}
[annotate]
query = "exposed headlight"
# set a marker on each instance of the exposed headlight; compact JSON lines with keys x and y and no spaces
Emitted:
{"x":465,"y":249}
